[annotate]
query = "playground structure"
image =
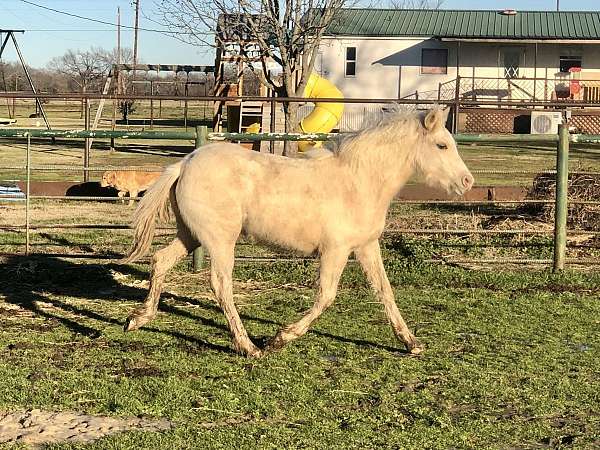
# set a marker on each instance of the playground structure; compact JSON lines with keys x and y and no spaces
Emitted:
{"x":237,"y":55}
{"x":10,"y":34}
{"x":235,"y":58}
{"x":119,"y":87}
{"x":235,"y":75}
{"x":325,"y":116}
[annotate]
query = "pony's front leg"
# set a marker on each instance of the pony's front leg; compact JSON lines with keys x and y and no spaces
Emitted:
{"x":369,"y":257}
{"x":162,"y":261}
{"x":332,"y":265}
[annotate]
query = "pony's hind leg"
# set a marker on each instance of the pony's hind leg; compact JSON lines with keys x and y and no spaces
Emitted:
{"x":162,"y":261}
{"x":370,"y":260}
{"x":332,"y":265}
{"x":221,"y":270}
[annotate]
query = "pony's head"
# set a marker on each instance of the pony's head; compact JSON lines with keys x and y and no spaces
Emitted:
{"x":437,"y":159}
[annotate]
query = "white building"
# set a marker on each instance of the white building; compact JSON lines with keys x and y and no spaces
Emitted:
{"x":496,"y":55}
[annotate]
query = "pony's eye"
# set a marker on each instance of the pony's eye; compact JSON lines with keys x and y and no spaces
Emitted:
{"x":442,"y":146}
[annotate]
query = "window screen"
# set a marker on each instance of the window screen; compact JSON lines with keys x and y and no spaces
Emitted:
{"x":512,"y":62}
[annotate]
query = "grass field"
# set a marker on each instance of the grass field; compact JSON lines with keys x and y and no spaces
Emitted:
{"x":511,"y":359}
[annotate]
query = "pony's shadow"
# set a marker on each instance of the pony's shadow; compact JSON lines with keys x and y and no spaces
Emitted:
{"x":28,"y":281}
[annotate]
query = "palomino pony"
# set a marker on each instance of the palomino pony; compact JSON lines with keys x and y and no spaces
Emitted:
{"x":334,"y":205}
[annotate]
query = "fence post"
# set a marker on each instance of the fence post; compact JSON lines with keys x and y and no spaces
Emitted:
{"x":151,"y":104}
{"x":273,"y":124}
{"x":28,"y":195}
{"x":88,"y":143}
{"x":456,"y":104}
{"x":561,"y":208}
{"x":198,"y":253}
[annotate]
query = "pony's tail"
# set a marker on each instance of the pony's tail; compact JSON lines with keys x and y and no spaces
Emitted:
{"x":154,"y":203}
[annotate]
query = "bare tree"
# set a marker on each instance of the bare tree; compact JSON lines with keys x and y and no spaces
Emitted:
{"x":416,"y":4}
{"x":286,"y":32}
{"x":111,"y":57}
{"x":84,"y":68}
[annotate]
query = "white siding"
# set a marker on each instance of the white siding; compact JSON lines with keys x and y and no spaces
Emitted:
{"x":390,"y":68}
{"x":385,"y":68}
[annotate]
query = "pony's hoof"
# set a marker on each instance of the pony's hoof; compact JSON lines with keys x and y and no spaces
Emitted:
{"x":131,"y":324}
{"x":269,"y":348}
{"x":250,"y":352}
{"x":255,"y":353}
{"x":247,"y":348}
{"x":415,"y":348}
{"x":277,"y":342}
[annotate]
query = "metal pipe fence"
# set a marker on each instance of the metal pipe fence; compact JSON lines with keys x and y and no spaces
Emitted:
{"x":201,"y":136}
{"x":558,"y":103}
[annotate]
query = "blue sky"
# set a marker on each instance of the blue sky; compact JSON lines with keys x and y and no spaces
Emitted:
{"x":50,"y":34}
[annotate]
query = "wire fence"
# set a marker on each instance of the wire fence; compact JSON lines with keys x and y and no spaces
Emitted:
{"x":200,"y":136}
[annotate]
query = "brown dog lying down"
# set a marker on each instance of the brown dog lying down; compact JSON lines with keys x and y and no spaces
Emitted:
{"x":129,"y":181}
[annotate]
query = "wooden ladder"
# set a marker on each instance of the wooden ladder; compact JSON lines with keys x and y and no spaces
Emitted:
{"x":252,"y":110}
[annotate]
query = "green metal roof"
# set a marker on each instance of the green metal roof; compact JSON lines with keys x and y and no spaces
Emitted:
{"x":572,"y":25}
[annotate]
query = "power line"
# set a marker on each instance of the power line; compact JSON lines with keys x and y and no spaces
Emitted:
{"x":166,"y":32}
{"x":33,"y":30}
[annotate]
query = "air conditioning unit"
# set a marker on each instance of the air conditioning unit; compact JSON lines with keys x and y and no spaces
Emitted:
{"x":545,"y":122}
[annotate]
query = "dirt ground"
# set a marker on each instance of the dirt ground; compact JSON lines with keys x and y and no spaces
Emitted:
{"x":36,"y":427}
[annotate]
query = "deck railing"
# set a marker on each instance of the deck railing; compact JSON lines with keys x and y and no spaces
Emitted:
{"x":481,"y":89}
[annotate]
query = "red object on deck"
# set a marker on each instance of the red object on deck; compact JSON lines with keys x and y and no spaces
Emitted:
{"x":574,"y":85}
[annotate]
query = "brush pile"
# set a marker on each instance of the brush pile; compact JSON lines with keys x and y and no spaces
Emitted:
{"x":582,"y":186}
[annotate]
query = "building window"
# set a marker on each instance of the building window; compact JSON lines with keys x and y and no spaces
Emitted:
{"x":350,"y":61}
{"x":568,"y":62}
{"x":512,"y":62}
{"x":434,"y":60}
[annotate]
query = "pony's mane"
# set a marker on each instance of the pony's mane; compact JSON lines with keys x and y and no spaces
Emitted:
{"x":389,"y":128}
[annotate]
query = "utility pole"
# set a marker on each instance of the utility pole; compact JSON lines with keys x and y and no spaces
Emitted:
{"x":118,"y":35}
{"x":117,"y":77}
{"x":558,"y":5}
{"x":135,"y":40}
{"x":118,"y":71}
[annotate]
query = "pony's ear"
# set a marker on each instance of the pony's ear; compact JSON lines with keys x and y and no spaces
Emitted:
{"x":436,"y":118}
{"x":446,"y":112}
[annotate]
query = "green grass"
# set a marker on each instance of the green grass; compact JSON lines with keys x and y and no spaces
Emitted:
{"x":521,"y":156}
{"x":511,"y":359}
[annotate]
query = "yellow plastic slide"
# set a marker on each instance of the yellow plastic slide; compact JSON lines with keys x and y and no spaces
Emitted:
{"x":325,"y":116}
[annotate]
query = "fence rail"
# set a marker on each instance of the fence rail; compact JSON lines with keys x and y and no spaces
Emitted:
{"x":201,"y":136}
{"x":463,"y":101}
{"x":461,"y":138}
